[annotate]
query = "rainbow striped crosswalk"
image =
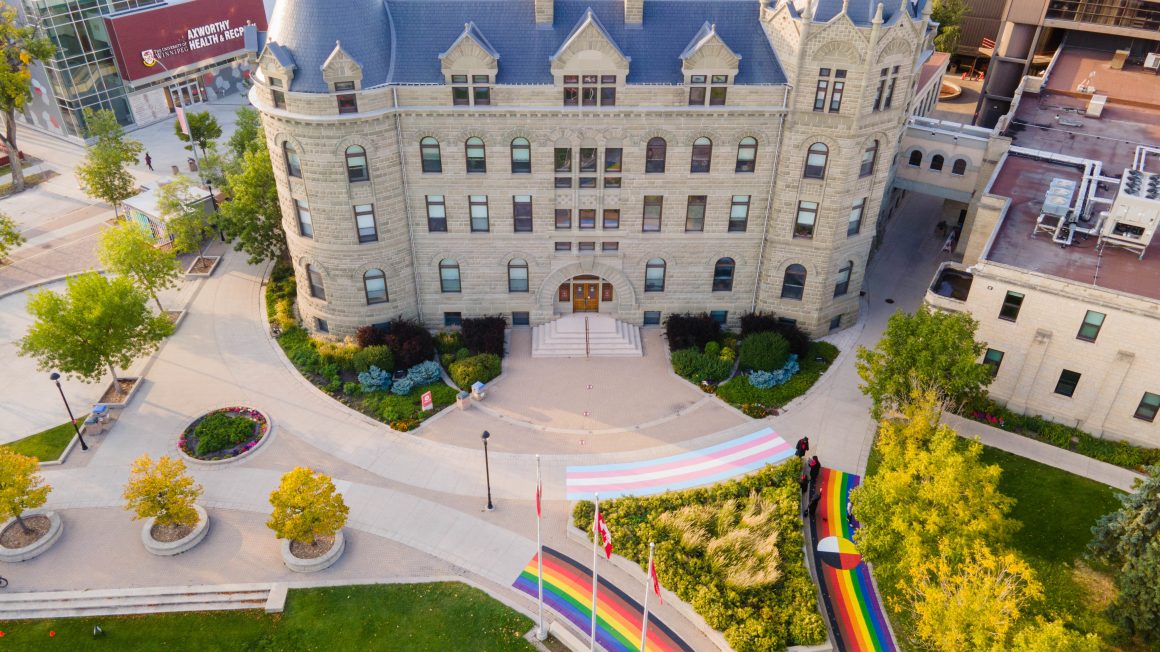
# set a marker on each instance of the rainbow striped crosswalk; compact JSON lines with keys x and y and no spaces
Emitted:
{"x":568,"y":592}
{"x":695,"y":468}
{"x":856,"y":616}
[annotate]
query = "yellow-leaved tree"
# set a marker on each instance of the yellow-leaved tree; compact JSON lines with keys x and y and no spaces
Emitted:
{"x":306,"y":506}
{"x":21,"y":486}
{"x":162,"y":491}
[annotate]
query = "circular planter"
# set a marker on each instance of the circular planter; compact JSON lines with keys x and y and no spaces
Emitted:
{"x":34,"y":549}
{"x":168,"y":548}
{"x":326,"y":560}
{"x":239,"y":452}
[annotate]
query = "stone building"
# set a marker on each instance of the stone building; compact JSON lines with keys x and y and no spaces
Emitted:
{"x":533,"y":158}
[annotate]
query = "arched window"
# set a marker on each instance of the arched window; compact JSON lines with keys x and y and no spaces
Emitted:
{"x":476,"y":158}
{"x":429,"y":152}
{"x":842,"y":284}
{"x":356,"y":164}
{"x":517,"y":275}
{"x":654,"y":155}
{"x":521,"y":156}
{"x":793,"y":284}
{"x":723,"y":275}
{"x":915,"y":159}
{"x":869,"y":158}
{"x":314,"y":282}
{"x":448,"y":276}
{"x":654,"y":275}
{"x":816,"y":159}
{"x":936,"y":163}
{"x":746,"y":155}
{"x":375,"y":286}
{"x":702,"y":155}
{"x":293,"y":165}
{"x":959,"y":167}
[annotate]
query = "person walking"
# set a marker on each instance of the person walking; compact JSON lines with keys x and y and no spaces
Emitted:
{"x":148,"y":161}
{"x":815,"y":498}
{"x":804,"y":483}
{"x":802,"y":446}
{"x":815,"y":469}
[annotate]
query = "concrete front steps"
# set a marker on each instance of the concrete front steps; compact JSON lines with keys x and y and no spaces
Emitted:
{"x":121,"y":602}
{"x":583,"y":335}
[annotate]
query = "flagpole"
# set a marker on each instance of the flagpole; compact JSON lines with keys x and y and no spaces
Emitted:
{"x":542,"y":634}
{"x":595,"y":558}
{"x":647,"y":590}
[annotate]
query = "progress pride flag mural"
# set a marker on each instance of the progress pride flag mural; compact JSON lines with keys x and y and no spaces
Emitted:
{"x":179,"y":35}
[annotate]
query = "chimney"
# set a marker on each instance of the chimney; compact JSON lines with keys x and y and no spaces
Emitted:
{"x":633,"y":12}
{"x":544,"y":12}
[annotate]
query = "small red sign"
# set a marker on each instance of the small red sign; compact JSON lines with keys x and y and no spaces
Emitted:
{"x":428,"y":402}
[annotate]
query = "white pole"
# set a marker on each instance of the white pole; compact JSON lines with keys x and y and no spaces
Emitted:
{"x":595,"y":558}
{"x":542,"y":634}
{"x":647,"y":590}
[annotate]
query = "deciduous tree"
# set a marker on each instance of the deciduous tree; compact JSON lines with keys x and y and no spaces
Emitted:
{"x":1129,"y":539}
{"x":21,"y":486}
{"x":1053,"y":636}
{"x":306,"y":506}
{"x":97,"y":324}
{"x":203,"y":129}
{"x":104,"y":174}
{"x":929,"y":349}
{"x":186,"y":219}
{"x":949,"y":16}
{"x":247,"y":132}
{"x":127,"y":249}
{"x":19,"y":47}
{"x":162,"y":491}
{"x":253,"y":216}
{"x":10,"y":237}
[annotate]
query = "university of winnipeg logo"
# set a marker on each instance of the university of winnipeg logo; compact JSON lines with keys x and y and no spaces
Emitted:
{"x":148,"y":58}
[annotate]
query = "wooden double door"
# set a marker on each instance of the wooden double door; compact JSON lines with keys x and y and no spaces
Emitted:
{"x":586,"y":296}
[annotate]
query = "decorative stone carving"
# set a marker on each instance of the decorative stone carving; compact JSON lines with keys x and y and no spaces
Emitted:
{"x":341,"y":67}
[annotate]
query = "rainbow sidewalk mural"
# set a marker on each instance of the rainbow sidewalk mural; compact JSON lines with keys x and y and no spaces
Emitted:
{"x":701,"y":467}
{"x":856,"y":617}
{"x":568,"y":592}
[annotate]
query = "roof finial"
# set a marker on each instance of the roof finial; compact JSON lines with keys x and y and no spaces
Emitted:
{"x":877,"y":20}
{"x":845,"y":6}
{"x":713,"y":28}
{"x":466,"y":26}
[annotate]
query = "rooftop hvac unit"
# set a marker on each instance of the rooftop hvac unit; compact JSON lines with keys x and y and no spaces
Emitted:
{"x":1095,"y":107}
{"x":1057,"y":201}
{"x":1152,"y":61}
{"x":1135,"y":213}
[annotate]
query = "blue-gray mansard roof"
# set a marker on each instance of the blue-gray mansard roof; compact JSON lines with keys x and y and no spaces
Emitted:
{"x":399,"y":41}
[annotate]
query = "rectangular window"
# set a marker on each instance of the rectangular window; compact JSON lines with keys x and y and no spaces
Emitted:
{"x":587,"y":182}
{"x":653,"y":207}
{"x":563,"y":218}
{"x":436,"y":214}
{"x":697,"y":96}
{"x":881,"y":90}
{"x":480,"y":79}
{"x":458,"y":79}
{"x":695,"y":213}
{"x":521,"y":319}
{"x":608,"y":96}
{"x":807,"y":215}
{"x":364,"y":217}
{"x":1068,"y":380}
{"x":571,"y":95}
{"x":611,"y":182}
{"x":314,"y":278}
{"x":452,"y":319}
{"x":305,"y":225}
{"x":842,"y":283}
{"x":611,"y":218}
{"x":612,"y":160}
{"x":854,"y":227}
{"x":588,"y":95}
{"x":347,"y":103}
{"x":482,"y":95}
{"x":719,"y":316}
{"x":1149,"y":406}
{"x":320,"y":325}
{"x":609,"y":246}
{"x":739,"y":213}
{"x":720,"y":79}
{"x":587,"y":159}
{"x":563,"y":182}
{"x":820,"y":94}
{"x":564,"y":293}
{"x":835,"y":323}
{"x":1090,"y":329}
{"x":344,"y":86}
{"x":717,"y":95}
{"x":606,"y":292}
{"x":563,"y":160}
{"x":1011,"y":305}
{"x":522,"y":213}
{"x":587,"y":218}
{"x":563,"y":246}
{"x":279,"y":99}
{"x":652,"y":318}
{"x":479,"y":216}
{"x":836,"y":97}
{"x":587,"y":246}
{"x":993,"y":359}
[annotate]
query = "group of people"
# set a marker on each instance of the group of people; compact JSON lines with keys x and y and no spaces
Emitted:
{"x":808,"y":481}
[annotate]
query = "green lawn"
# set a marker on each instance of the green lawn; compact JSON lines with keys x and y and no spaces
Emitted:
{"x":46,"y":446}
{"x":397,"y":617}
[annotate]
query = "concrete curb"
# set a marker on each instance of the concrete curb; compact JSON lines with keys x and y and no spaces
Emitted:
{"x":38,"y":547}
{"x":67,"y":449}
{"x":299,"y":565}
{"x":48,"y":281}
{"x":169,"y":548}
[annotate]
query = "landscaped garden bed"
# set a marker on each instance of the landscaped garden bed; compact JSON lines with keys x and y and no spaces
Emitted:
{"x":224,"y":434}
{"x":733,"y":551}
{"x":203,"y":266}
{"x":119,"y":392}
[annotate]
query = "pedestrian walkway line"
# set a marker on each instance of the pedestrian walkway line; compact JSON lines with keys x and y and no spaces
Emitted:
{"x":700,"y":467}
{"x":856,"y":617}
{"x":568,"y":592}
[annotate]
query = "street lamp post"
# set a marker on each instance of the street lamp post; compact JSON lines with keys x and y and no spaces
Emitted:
{"x":487,"y":469}
{"x":55,"y":377}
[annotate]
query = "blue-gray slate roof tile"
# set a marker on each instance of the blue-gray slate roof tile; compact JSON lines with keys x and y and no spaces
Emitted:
{"x":310,"y":28}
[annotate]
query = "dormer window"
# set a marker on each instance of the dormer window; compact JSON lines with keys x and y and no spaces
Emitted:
{"x":277,"y":95}
{"x":343,"y":86}
{"x":471,"y":89}
{"x":347,"y":102}
{"x":711,"y":87}
{"x":590,"y":90}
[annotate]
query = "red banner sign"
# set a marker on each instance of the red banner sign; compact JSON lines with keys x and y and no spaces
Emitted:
{"x":151,"y":41}
{"x":428,"y":403}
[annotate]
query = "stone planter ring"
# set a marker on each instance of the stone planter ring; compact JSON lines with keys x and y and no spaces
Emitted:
{"x":322,"y":562}
{"x":36,"y":548}
{"x":168,"y":548}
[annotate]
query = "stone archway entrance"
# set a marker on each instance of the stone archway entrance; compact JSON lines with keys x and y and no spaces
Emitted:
{"x":585,"y":293}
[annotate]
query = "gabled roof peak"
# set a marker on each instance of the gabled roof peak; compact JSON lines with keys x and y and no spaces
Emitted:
{"x":589,"y":19}
{"x":472,"y":31}
{"x":707,"y":33}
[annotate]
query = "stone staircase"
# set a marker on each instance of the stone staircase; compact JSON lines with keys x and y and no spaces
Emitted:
{"x":586,"y":335}
{"x":119,"y":602}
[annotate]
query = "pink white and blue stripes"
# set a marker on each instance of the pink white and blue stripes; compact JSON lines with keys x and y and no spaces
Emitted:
{"x":701,"y":467}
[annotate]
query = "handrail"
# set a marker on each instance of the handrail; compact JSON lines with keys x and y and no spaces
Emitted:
{"x":587,"y":353}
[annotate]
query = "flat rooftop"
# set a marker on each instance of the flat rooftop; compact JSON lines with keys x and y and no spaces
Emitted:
{"x":1133,"y":83}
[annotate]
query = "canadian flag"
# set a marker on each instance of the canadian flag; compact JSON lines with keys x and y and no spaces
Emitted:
{"x":605,"y":534}
{"x":656,"y":582}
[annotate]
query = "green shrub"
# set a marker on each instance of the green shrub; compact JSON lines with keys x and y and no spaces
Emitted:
{"x":462,"y":354}
{"x":479,"y":368}
{"x":764,"y":351}
{"x":402,"y":387}
{"x":300,"y":348}
{"x":341,"y":354}
{"x":446,"y":359}
{"x":695,"y":366}
{"x":448,"y":341}
{"x":351,"y":389}
{"x":441,"y":393}
{"x":219,"y":431}
{"x":713,"y":348}
{"x":374,"y":356}
{"x":394,"y":408}
{"x":739,"y":393}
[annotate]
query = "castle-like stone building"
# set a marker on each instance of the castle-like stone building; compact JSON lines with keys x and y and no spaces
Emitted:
{"x":438,"y":159}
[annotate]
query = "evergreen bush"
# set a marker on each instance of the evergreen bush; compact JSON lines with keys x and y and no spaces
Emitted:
{"x":424,"y":373}
{"x":377,"y":355}
{"x":764,"y":351}
{"x":402,"y":387}
{"x":374,"y":380}
{"x":479,"y":368}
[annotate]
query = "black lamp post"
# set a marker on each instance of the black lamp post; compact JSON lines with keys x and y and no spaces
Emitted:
{"x":487,"y":469}
{"x":55,"y":377}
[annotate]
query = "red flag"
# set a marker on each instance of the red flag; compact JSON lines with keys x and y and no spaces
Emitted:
{"x":539,"y":492}
{"x":656,"y":582}
{"x":605,"y":535}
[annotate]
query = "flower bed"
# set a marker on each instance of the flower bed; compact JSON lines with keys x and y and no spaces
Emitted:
{"x":224,"y":433}
{"x":757,"y":403}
